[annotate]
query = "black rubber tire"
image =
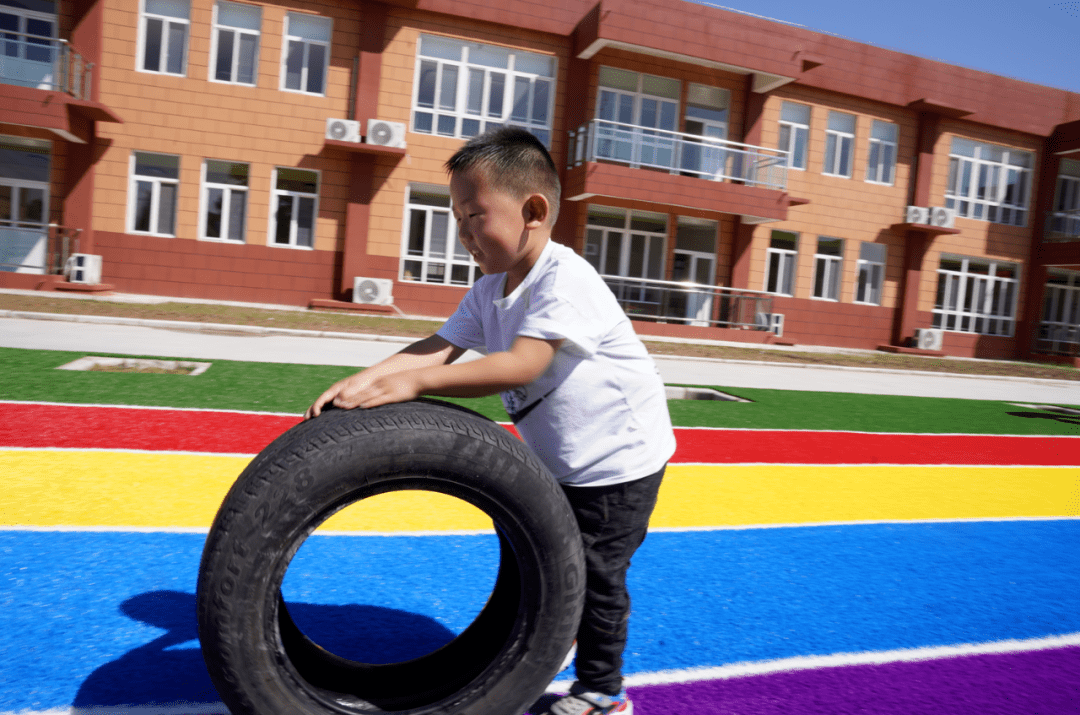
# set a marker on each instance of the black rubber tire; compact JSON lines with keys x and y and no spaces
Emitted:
{"x":262,"y":664}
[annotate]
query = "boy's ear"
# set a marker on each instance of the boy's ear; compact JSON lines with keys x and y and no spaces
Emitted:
{"x":536,"y":211}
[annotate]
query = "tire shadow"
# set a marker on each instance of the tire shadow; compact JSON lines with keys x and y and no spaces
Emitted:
{"x":1057,"y":417}
{"x":169,"y":670}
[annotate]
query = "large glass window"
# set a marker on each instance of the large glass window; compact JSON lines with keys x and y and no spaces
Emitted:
{"x":871,"y":273}
{"x":27,"y":42}
{"x":827,"y":268}
{"x":629,"y":245}
{"x":1065,"y":219}
{"x":839,"y":144}
{"x":780,"y":263}
{"x":694,"y":263}
{"x":881,"y":163}
{"x":707,"y":117}
{"x":155,"y":183}
{"x":296,"y":199}
{"x":163,"y":34}
{"x":224,"y":200}
{"x":431,"y":251}
{"x":236,"y":43}
{"x":24,"y":203}
{"x":989,"y":182}
{"x":464,"y":88}
{"x":794,"y":132}
{"x":1059,"y":330}
{"x":306,"y":54}
{"x":976,"y":295}
{"x":638,"y":116}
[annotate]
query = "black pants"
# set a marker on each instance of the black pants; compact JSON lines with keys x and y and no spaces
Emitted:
{"x":613,"y":521}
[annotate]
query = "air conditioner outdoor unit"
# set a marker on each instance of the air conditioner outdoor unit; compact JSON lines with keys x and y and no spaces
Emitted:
{"x":929,"y":338}
{"x":83,"y":268}
{"x":381,"y":133}
{"x":942,"y":217}
{"x":343,"y":130}
{"x":373,"y":291}
{"x":917,"y":214}
{"x":773,"y":322}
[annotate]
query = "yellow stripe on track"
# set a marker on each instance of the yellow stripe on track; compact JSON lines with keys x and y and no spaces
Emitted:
{"x":125,"y":489}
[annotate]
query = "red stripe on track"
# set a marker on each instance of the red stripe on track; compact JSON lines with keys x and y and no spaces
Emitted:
{"x":32,"y":425}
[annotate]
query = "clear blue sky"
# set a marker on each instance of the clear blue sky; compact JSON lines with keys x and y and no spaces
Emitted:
{"x":1033,"y":40}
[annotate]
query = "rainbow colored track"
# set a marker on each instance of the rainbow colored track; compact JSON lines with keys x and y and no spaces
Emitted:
{"x":787,"y":572}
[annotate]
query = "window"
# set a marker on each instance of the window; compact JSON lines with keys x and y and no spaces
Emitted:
{"x":1065,"y":219}
{"x":839,"y":142}
{"x":871,"y":272}
{"x":24,"y":203}
{"x":794,"y":132}
{"x":989,"y":182}
{"x":307,"y":53}
{"x":827,"y":263}
{"x":296,"y":196}
{"x":976,"y":295}
{"x":638,"y":116}
{"x":432,"y":253}
{"x":236,"y":43}
{"x":164,"y":36}
{"x":881,"y":164}
{"x":27,"y":39}
{"x":780,"y":260}
{"x":155,"y":181}
{"x":224,"y":200}
{"x":631,"y":245}
{"x":464,"y":88}
{"x":694,"y":262}
{"x":707,"y":117}
{"x":1060,"y":326}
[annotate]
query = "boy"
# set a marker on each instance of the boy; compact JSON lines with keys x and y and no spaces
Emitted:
{"x":574,"y":378}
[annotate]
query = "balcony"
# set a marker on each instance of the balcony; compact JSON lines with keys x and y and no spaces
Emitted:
{"x":676,"y":169}
{"x":1063,"y":225}
{"x":691,"y":303}
{"x":44,"y":63}
{"x":41,"y":250}
{"x":1058,"y":338}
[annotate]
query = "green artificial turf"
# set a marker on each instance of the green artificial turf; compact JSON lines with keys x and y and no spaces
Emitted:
{"x":272,"y":387}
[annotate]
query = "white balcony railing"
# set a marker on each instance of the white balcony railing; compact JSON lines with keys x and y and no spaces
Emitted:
{"x":691,"y":303}
{"x":43,"y":63}
{"x":679,"y":153}
{"x":1063,"y":225}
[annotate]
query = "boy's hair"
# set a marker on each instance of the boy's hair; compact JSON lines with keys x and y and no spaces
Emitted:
{"x":514,"y":160}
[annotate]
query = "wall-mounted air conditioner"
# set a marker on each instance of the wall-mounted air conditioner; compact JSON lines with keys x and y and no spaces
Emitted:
{"x":917,"y":214}
{"x":83,"y":268}
{"x":942,"y":217}
{"x":382,"y":133}
{"x":929,"y":338}
{"x":373,"y":291}
{"x":343,"y":130}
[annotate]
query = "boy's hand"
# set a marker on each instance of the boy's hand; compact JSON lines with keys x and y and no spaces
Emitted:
{"x":360,"y":391}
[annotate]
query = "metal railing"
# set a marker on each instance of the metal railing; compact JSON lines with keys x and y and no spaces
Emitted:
{"x":1063,"y":225}
{"x":43,"y":63}
{"x":39,"y":250}
{"x":1058,"y":339}
{"x":691,"y":303}
{"x":679,"y":153}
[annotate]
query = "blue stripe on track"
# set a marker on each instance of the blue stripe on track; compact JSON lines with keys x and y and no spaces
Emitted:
{"x":99,"y":619}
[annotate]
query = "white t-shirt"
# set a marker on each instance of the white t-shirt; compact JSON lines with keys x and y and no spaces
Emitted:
{"x":598,"y":415}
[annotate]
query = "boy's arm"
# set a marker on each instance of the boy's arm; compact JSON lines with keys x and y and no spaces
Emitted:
{"x":430,"y":351}
{"x":525,"y":361}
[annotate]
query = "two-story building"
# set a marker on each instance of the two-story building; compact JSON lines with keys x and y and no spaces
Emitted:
{"x":730,"y":176}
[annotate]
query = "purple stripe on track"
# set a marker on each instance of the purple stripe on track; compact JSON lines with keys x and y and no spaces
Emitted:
{"x":1037,"y":682}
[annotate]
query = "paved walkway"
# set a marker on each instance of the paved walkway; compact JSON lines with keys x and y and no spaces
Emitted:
{"x":225,"y":342}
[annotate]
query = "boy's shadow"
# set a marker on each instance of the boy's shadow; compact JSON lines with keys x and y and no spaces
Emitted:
{"x":170,"y":669}
{"x":1056,"y":416}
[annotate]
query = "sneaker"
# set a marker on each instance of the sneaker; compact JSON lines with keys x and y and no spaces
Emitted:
{"x":588,"y":702}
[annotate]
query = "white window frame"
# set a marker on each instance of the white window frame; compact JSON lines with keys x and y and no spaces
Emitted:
{"x":305,"y":68}
{"x":43,"y":74}
{"x":633,"y":141}
{"x":797,"y":134}
{"x":652,"y":242}
{"x":277,"y":194}
{"x":839,"y":146}
{"x":869,"y":274}
{"x":785,"y":263}
{"x":1060,"y":319}
{"x":979,"y":185}
{"x":828,"y":270}
{"x":971,"y":302}
{"x":227,"y":193}
{"x":163,"y":56}
{"x":423,"y":265}
{"x":1065,"y":218}
{"x":155,"y":182}
{"x":881,"y":156}
{"x":237,"y":32}
{"x":453,"y":106}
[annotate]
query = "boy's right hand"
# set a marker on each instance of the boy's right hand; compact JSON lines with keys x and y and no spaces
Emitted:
{"x":343,"y":389}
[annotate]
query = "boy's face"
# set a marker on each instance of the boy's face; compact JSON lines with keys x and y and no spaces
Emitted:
{"x":497,"y":228}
